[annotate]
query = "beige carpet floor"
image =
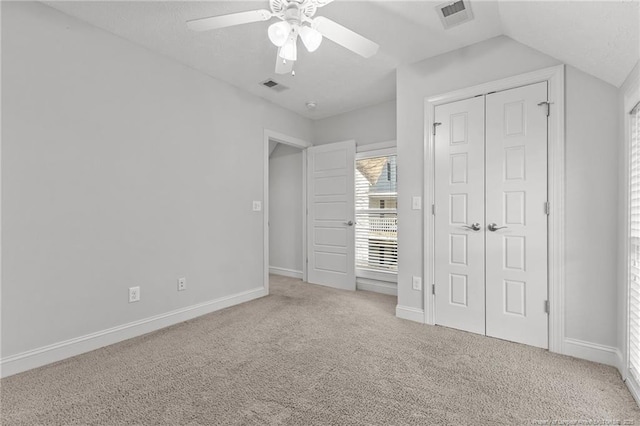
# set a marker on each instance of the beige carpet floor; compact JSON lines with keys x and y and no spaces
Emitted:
{"x":311,"y":355}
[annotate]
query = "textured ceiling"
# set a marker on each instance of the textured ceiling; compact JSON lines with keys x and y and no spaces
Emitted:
{"x":597,"y":37}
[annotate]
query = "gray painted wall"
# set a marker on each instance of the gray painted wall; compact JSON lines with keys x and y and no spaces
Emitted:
{"x":373,"y":124}
{"x":120,"y":167}
{"x":591,"y":163}
{"x":285,"y":208}
{"x":112,"y":163}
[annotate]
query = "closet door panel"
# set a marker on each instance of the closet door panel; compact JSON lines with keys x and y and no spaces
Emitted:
{"x":459,"y":199}
{"x":516,"y":192}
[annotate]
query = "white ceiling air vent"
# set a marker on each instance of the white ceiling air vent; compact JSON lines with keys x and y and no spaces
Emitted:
{"x":274,"y":85}
{"x":454,"y":13}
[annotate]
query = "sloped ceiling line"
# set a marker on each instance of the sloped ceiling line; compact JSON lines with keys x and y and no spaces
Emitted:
{"x":598,"y":37}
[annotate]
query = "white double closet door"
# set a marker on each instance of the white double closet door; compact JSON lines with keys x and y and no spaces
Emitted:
{"x":491,"y":215}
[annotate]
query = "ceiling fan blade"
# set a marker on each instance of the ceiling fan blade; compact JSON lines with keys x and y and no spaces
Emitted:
{"x":282,"y":66}
{"x":222,"y":21}
{"x":320,"y":3}
{"x":345,"y":37}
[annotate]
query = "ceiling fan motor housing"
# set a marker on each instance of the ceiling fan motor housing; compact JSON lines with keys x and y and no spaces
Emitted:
{"x":293,"y":14}
{"x":293,"y":11}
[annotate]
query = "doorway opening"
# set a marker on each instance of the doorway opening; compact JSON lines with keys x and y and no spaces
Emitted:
{"x":284,"y":206}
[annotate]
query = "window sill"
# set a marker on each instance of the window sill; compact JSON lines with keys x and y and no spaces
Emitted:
{"x":390,"y":277}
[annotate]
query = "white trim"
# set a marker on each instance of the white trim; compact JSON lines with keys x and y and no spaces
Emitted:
{"x":555,"y":194}
{"x":634,"y":389}
{"x":592,"y":351}
{"x":631,"y":91}
{"x":498,"y":85}
{"x":376,"y":153}
{"x":376,"y":286}
{"x":390,"y":277}
{"x":428,"y":201}
{"x":620,"y":362}
{"x":285,"y":272}
{"x":285,"y":139}
{"x":58,"y":351}
{"x":1,"y":186}
{"x":555,"y":78}
{"x":303,"y":145}
{"x":409,"y":313}
{"x":304,"y":215}
{"x":376,"y":146}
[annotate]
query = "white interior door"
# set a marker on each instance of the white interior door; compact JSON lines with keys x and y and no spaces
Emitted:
{"x":516,"y":193}
{"x":331,"y":215}
{"x":459,"y":219}
{"x":491,"y":220}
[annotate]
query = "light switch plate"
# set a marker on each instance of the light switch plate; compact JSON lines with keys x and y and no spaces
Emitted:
{"x":417,"y":283}
{"x":257,"y":206}
{"x":416,"y":203}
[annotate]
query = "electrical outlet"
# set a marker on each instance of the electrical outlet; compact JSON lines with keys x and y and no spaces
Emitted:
{"x":134,"y":294}
{"x":182,"y":284}
{"x":417,"y":283}
{"x":257,"y":206}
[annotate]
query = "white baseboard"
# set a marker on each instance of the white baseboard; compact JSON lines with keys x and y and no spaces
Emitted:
{"x":409,"y":313}
{"x":285,"y":272}
{"x":620,"y":364}
{"x":593,"y":352}
{"x":634,"y":388}
{"x":58,"y":351}
{"x":377,"y":286}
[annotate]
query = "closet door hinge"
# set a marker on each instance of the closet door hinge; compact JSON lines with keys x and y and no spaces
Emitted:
{"x":546,"y":306}
{"x":433,"y":289}
{"x":434,"y":127}
{"x":548,"y":105}
{"x":433,"y":209}
{"x":547,"y":208}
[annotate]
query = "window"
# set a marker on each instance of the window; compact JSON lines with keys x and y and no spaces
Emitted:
{"x":376,"y":214}
{"x":634,"y":244}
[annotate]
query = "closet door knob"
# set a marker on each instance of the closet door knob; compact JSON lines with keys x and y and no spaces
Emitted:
{"x":473,"y":226}
{"x":493,"y":227}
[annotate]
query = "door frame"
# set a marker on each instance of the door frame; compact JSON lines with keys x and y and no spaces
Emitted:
{"x":554,"y":76}
{"x":270,"y":135}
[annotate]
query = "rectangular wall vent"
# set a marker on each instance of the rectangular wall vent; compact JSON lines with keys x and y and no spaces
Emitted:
{"x":454,"y":13}
{"x":273,"y":85}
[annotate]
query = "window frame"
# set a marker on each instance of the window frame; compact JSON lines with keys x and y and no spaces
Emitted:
{"x":631,"y":99}
{"x":382,"y":149}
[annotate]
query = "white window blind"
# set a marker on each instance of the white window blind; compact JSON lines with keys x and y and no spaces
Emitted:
{"x":634,"y":245}
{"x":376,"y":214}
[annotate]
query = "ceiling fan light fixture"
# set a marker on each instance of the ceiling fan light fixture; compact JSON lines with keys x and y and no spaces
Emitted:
{"x":279,"y":33}
{"x":311,"y":38}
{"x":289,"y":51}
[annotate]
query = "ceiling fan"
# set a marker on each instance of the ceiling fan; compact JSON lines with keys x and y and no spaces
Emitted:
{"x":296,"y":19}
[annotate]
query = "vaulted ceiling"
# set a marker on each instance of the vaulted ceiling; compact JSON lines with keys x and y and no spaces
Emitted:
{"x":598,"y":37}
